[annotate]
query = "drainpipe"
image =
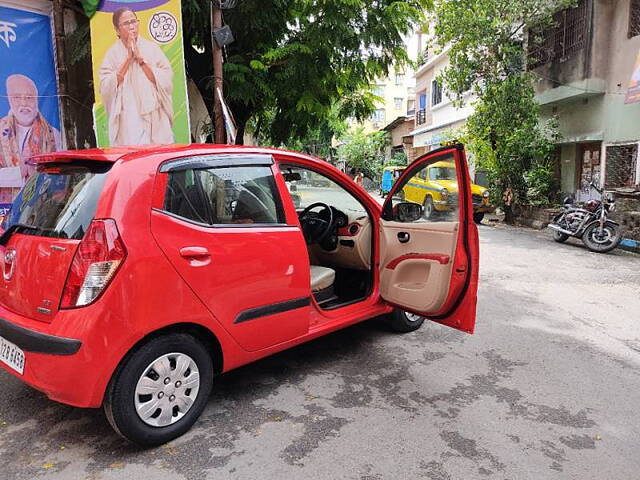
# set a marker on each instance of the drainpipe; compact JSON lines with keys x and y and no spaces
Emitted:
{"x":589,"y":33}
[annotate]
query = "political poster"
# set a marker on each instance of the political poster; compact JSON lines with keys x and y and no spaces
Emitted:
{"x":139,"y":74}
{"x":29,"y":111}
{"x":633,"y":93}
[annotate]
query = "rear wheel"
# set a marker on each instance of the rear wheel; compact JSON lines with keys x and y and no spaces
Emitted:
{"x":559,"y":236}
{"x":478,"y":216}
{"x":429,"y":209}
{"x":160,"y":390}
{"x":404,"y":322}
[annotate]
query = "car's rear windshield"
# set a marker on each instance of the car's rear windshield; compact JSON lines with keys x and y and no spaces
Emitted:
{"x":59,"y":201}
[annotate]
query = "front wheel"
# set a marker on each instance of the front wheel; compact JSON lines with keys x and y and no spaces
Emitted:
{"x":404,"y":322}
{"x":602,"y":241}
{"x":429,"y":209}
{"x":160,"y":390}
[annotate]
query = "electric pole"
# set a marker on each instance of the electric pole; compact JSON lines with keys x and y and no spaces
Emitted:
{"x":216,"y":23}
{"x":63,"y":85}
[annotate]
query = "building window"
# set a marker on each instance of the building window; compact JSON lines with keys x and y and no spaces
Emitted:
{"x":634,"y":18}
{"x":621,"y":166}
{"x":399,"y":78}
{"x":411,"y":106}
{"x":567,"y":36}
{"x":421,"y":114}
{"x":436,"y":93}
{"x":397,"y":101}
{"x":378,"y":116}
{"x":378,"y":90}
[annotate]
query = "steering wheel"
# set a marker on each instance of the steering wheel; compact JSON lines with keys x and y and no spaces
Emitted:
{"x":314,"y":228}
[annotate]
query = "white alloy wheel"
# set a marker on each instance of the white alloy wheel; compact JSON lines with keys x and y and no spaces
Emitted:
{"x":167,"y":389}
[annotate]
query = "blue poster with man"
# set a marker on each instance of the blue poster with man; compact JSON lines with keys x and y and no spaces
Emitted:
{"x":29,"y":112}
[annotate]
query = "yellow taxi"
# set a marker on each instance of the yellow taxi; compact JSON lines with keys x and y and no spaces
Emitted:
{"x":436,"y":188}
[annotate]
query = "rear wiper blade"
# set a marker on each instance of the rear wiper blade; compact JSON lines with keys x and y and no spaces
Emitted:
{"x":4,"y":238}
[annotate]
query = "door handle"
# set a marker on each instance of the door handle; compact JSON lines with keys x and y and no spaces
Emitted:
{"x":404,"y":237}
{"x":194,"y":252}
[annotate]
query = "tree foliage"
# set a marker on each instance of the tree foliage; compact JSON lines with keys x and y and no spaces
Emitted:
{"x":364,"y":151}
{"x":317,"y":141}
{"x":293,"y":61}
{"x":487,"y":52}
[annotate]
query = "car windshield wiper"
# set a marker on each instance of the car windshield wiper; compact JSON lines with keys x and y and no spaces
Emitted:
{"x":4,"y":238}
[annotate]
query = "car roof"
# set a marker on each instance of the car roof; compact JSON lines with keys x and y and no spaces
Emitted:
{"x":113,"y":154}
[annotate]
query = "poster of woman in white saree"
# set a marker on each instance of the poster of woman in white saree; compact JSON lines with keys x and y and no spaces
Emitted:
{"x":136,"y":85}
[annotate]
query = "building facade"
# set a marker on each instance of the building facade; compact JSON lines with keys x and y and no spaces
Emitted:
{"x":585,"y":63}
{"x":436,"y":117}
{"x":396,"y":95}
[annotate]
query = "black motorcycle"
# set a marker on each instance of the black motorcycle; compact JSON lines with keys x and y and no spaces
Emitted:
{"x":588,"y":222}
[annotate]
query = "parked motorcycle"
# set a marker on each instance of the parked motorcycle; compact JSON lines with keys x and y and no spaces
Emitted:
{"x":589,"y":222}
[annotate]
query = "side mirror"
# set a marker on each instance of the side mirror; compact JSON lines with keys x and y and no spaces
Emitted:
{"x":407,"y":212}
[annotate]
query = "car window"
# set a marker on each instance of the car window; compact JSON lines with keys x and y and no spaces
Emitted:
{"x":313,"y":187}
{"x":440,"y":202}
{"x":239,"y":195}
{"x":59,"y":201}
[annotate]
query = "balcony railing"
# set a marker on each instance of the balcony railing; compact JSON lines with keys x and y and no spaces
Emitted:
{"x":421,"y":117}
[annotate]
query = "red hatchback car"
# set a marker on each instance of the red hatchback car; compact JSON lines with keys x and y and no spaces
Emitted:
{"x":133,"y":276}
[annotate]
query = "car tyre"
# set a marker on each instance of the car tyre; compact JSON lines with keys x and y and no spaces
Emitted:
{"x":429,"y":208}
{"x":478,"y":216}
{"x":120,"y":403}
{"x":404,"y":322}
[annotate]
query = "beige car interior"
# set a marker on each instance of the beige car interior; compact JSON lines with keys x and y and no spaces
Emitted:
{"x":321,"y":278}
{"x":353,"y":251}
{"x":340,"y":263}
{"x":418,"y":284}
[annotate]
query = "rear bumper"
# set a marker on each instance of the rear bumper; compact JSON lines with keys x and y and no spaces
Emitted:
{"x":36,"y":342}
{"x":64,"y":360}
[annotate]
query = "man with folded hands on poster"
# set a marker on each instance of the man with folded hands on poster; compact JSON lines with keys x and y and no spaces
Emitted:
{"x":23,"y":132}
{"x":136,"y":84}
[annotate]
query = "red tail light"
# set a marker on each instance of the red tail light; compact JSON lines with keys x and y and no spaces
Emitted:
{"x":96,"y":261}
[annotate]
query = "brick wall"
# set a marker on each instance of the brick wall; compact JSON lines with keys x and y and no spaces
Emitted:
{"x":627,"y":213}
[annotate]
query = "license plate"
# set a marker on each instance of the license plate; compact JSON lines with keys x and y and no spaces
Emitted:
{"x":11,"y":355}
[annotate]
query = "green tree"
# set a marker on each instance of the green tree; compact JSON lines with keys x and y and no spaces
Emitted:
{"x":293,"y":61}
{"x":364,"y":151}
{"x":487,"y":54}
{"x":317,"y":141}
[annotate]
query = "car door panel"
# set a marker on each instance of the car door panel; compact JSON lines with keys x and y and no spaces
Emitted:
{"x":409,"y":269}
{"x":234,"y":248}
{"x":431,"y":267}
{"x":246,"y":279}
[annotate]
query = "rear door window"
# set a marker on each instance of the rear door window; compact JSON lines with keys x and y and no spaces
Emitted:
{"x":235,"y":195}
{"x":59,"y":201}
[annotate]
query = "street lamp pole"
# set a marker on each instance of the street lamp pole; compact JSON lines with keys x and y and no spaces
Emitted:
{"x":216,"y":22}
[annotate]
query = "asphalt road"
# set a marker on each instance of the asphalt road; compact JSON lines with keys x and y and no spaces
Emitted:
{"x":548,"y":387}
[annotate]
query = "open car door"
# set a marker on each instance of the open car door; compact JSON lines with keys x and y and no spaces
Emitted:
{"x":429,"y":242}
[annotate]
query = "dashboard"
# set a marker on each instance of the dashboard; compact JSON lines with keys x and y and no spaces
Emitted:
{"x":349,"y":243}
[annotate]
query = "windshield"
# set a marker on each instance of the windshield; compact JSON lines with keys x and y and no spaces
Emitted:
{"x":313,"y":187}
{"x":442,"y":173}
{"x":58,"y":202}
